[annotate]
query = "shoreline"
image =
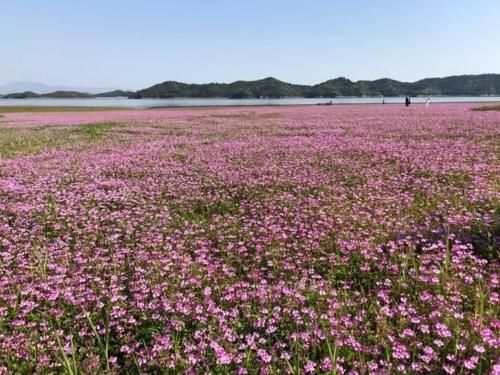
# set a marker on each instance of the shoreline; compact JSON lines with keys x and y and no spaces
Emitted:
{"x":77,"y":108}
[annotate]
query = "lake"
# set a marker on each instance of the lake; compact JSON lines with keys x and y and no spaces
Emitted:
{"x":213,"y":102}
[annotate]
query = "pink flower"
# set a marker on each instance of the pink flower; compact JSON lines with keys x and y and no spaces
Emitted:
{"x":399,"y":351}
{"x":223,"y":357}
{"x":425,"y":296}
{"x":442,"y":330}
{"x":326,"y":364}
{"x":448,"y":369}
{"x":309,"y":367}
{"x":479,"y":349}
{"x":471,"y":363}
{"x":264,"y":356}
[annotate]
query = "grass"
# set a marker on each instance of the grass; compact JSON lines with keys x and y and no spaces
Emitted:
{"x":495,"y":107}
{"x":18,"y":142}
{"x":20,"y":109}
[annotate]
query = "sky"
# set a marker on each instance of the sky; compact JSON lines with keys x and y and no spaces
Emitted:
{"x":133,"y":44}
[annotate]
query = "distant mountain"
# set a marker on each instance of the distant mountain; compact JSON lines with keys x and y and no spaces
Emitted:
{"x":115,"y":94}
{"x":67,"y":95}
{"x":267,"y":87}
{"x":41,"y":88}
{"x":483,"y":84}
{"x":474,"y":85}
{"x":55,"y":94}
{"x":21,"y":95}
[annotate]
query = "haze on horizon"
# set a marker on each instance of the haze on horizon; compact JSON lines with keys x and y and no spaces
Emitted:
{"x":132,"y":45}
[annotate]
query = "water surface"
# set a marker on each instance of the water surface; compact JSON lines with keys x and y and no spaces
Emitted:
{"x":213,"y":102}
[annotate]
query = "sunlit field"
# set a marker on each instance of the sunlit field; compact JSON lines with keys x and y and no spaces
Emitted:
{"x":266,"y":240}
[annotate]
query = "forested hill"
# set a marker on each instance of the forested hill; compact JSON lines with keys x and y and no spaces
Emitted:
{"x":473,"y":85}
{"x":268,"y":87}
{"x":464,"y":85}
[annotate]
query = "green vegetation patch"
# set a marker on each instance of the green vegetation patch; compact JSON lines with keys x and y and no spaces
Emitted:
{"x":17,"y":142}
{"x":488,"y":108}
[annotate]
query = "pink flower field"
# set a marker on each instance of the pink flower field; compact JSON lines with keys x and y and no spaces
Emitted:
{"x":302,"y":240}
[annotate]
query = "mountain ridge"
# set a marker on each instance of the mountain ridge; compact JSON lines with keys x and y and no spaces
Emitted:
{"x":60,"y":94}
{"x":270,"y":87}
{"x":459,"y":85}
{"x":42,"y":88}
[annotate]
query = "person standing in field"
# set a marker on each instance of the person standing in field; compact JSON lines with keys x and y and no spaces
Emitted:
{"x":427,"y":101}
{"x":407,"y":101}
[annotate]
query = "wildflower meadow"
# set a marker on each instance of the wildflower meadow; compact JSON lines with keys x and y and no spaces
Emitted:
{"x":350,"y":239}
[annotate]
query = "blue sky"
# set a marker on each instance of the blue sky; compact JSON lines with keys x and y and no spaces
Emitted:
{"x":133,"y":44}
